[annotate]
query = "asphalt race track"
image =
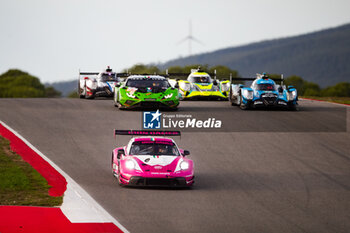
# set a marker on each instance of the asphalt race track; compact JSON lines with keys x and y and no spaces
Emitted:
{"x":269,"y":171}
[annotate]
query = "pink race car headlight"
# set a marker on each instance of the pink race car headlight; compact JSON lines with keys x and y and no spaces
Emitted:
{"x":184,"y":165}
{"x":129,"y":164}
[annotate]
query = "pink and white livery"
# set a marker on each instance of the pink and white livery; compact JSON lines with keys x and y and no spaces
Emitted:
{"x":152,"y":159}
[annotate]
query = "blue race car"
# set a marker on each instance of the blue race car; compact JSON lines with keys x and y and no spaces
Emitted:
{"x":263,"y":92}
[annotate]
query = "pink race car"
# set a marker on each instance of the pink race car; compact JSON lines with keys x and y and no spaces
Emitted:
{"x":152,"y":159}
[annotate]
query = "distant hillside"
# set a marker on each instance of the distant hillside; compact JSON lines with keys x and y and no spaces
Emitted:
{"x":322,"y":57}
{"x":65,"y":87}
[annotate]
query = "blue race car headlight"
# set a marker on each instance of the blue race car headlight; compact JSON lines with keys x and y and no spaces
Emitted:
{"x":291,"y":95}
{"x":247,"y":94}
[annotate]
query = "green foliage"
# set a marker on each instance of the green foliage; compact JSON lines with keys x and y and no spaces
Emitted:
{"x":312,"y":89}
{"x":73,"y":94}
{"x":18,"y":84}
{"x":339,"y":90}
{"x":223,"y":72}
{"x":14,"y":73}
{"x":21,"y":92}
{"x":20,"y":184}
{"x":143,"y":69}
{"x":295,"y":81}
{"x":304,"y":88}
{"x":51,"y":92}
{"x":176,"y":69}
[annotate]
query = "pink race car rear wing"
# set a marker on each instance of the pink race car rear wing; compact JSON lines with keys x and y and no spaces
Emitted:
{"x":147,"y":132}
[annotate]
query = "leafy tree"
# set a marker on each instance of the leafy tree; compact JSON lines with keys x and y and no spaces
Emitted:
{"x":143,"y":69}
{"x":339,"y":90}
{"x":176,"y":69}
{"x":73,"y":94}
{"x":52,"y":92}
{"x":223,"y":72}
{"x":13,"y":73}
{"x":20,"y":84}
{"x":22,"y":92}
{"x":311,"y":89}
{"x":297,"y":82}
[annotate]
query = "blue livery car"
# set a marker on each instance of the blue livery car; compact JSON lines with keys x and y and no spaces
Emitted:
{"x":263,"y":92}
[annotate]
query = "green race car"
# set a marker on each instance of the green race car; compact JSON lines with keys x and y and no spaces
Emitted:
{"x":146,"y":91}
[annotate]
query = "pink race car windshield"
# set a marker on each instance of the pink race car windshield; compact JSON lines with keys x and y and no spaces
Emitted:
{"x":148,"y":147}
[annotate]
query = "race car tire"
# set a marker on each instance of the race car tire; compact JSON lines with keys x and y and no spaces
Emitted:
{"x":292,"y":107}
{"x":115,"y":99}
{"x":115,"y":104}
{"x":80,"y":91}
{"x":81,"y":96}
{"x":119,"y":182}
{"x":120,"y":106}
{"x":232,"y":99}
{"x":173,"y":109}
{"x":242,"y":105}
{"x":116,"y":175}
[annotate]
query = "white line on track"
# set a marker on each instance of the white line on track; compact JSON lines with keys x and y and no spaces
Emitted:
{"x":78,"y":206}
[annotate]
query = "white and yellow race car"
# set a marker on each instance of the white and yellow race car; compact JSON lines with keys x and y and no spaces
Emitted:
{"x":200,"y":86}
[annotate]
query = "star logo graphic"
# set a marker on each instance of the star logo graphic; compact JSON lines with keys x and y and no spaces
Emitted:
{"x":151,"y":120}
{"x":156,"y":115}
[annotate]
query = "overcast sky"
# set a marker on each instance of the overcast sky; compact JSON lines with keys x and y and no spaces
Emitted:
{"x":52,"y":39}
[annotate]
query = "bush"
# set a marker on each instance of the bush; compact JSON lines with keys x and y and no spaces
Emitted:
{"x":73,"y":94}
{"x":18,"y":84}
{"x":51,"y":92}
{"x":143,"y":69}
{"x":339,"y":90}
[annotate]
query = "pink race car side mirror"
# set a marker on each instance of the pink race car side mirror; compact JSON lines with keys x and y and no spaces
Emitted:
{"x":186,"y":152}
{"x":120,"y":153}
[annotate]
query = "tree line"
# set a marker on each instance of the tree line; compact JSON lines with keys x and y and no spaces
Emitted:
{"x":306,"y":88}
{"x":18,"y":84}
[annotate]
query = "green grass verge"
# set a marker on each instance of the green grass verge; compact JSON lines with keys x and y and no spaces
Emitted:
{"x":340,"y":100}
{"x":20,"y":183}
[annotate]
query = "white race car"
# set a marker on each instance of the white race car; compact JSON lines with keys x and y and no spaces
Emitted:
{"x":94,"y":84}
